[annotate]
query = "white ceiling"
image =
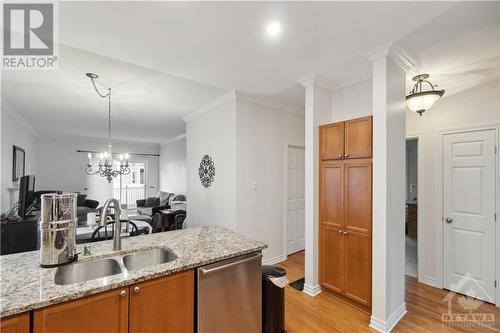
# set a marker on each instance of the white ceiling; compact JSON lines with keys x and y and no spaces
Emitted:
{"x":165,"y":59}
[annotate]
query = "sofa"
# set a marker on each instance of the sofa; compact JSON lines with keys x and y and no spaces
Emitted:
{"x":163,"y":200}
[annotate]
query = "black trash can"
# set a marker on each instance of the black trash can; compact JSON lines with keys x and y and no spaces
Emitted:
{"x":273,"y":300}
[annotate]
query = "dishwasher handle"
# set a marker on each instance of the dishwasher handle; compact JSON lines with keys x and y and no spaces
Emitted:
{"x":206,"y":271}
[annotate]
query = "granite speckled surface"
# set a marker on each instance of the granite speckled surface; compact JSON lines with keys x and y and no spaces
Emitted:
{"x":25,"y":286}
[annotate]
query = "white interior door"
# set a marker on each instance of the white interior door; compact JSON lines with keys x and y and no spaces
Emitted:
{"x":295,"y":214}
{"x":469,"y":198}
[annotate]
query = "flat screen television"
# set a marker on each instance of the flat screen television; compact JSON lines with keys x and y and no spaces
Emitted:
{"x":26,"y":195}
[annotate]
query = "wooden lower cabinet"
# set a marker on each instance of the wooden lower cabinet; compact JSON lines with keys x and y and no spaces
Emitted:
{"x":16,"y":324}
{"x":332,"y":258}
{"x":163,"y":305}
{"x":358,"y":267}
{"x":104,"y":312}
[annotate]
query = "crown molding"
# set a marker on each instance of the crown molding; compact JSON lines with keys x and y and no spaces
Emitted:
{"x":401,"y":57}
{"x":394,"y":52}
{"x":270,"y":103}
{"x":20,"y":119}
{"x":210,"y":106}
{"x":378,"y":52}
{"x":173,"y":139}
{"x":237,"y":95}
{"x":317,"y":80}
{"x":353,"y":81}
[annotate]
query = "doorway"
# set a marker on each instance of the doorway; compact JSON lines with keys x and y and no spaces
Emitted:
{"x":469,"y":213}
{"x":131,"y":187}
{"x":295,"y":200}
{"x":411,"y":218}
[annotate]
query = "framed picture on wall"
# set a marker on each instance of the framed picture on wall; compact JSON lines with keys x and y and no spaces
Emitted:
{"x":18,"y":165}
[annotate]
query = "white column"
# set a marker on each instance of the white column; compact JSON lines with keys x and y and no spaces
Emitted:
{"x":389,"y":126}
{"x":317,"y":112}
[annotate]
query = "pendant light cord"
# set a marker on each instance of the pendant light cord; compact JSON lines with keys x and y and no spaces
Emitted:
{"x":109,"y":105}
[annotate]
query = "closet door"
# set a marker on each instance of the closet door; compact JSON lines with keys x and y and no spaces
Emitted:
{"x":358,"y":195}
{"x":358,"y":138}
{"x":332,"y":258}
{"x":331,"y":141}
{"x":358,"y":267}
{"x":331,"y":204}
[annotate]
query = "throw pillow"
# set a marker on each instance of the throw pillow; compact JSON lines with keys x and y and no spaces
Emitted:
{"x":152,"y":202}
{"x":80,"y":200}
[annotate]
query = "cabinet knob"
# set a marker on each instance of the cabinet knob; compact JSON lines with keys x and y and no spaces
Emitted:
{"x":340,"y":231}
{"x":346,"y":156}
{"x":123,"y":293}
{"x":136,"y":290}
{"x":339,"y":156}
{"x":345,"y":232}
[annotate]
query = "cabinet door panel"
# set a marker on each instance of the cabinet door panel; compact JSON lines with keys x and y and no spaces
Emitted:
{"x":105,"y":312}
{"x":332,"y":194}
{"x":358,"y":195}
{"x":163,"y":305}
{"x":332,"y":259}
{"x":15,"y":324}
{"x":358,"y":138}
{"x":332,"y":141}
{"x":358,"y":271}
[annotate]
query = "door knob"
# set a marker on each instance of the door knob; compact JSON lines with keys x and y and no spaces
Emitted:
{"x":136,"y":290}
{"x":123,"y":293}
{"x":449,"y":220}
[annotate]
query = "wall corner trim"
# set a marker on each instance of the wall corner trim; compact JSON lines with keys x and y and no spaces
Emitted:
{"x":312,"y":290}
{"x":175,"y":138}
{"x":387,"y":326}
{"x":270,"y":103}
{"x":210,"y":106}
{"x":317,"y":80}
{"x":393,"y":51}
{"x":17,"y":116}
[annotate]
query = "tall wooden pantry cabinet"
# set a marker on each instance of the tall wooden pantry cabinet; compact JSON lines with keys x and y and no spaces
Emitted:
{"x":345,"y":209}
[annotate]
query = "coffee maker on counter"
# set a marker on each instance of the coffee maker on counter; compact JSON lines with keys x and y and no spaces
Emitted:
{"x":58,"y":223}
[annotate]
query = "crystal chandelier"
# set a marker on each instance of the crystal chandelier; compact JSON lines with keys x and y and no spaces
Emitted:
{"x":105,"y":167}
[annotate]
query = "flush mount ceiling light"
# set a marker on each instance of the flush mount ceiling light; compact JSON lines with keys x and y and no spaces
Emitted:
{"x":273,"y":29}
{"x":419,"y":100}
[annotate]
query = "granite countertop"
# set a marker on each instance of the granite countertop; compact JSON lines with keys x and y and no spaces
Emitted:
{"x":25,"y":286}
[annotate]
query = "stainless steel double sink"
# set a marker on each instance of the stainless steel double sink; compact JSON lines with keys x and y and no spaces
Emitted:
{"x":94,"y":269}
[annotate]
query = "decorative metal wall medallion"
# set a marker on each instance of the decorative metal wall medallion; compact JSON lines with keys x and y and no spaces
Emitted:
{"x":206,"y":171}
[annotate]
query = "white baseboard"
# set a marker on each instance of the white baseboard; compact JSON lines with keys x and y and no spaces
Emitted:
{"x":429,"y":281}
{"x":387,"y":326}
{"x":312,"y":290}
{"x":274,"y":260}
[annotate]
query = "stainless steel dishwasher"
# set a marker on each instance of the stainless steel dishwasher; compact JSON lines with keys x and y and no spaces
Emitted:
{"x":229,"y":297}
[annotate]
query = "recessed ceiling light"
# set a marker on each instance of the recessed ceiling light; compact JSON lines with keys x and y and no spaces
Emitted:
{"x":273,"y":29}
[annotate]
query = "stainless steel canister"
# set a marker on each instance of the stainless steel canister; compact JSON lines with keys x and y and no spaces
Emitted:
{"x":58,"y":223}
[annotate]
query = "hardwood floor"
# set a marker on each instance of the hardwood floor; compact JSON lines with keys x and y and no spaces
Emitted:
{"x":327,"y":313}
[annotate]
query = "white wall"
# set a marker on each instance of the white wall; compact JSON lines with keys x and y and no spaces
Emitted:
{"x":262,"y":135}
{"x":14,"y":131}
{"x":354,"y":101}
{"x":212,"y":133}
{"x":475,"y":107}
{"x":173,"y":166}
{"x":246,"y":139}
{"x":61,"y":167}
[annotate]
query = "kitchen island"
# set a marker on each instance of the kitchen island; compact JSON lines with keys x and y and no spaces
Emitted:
{"x":26,"y":287}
